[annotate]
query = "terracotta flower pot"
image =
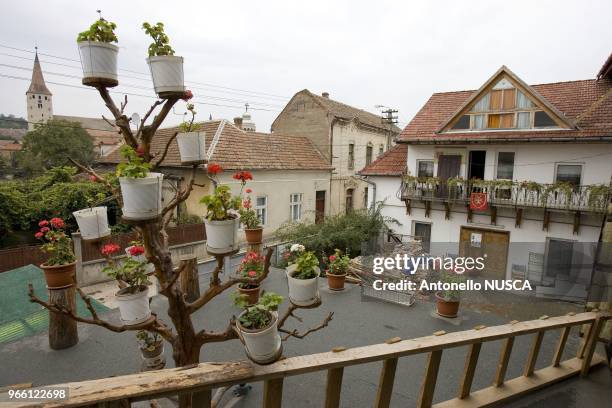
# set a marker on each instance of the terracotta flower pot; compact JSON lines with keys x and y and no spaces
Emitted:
{"x":335,"y":282}
{"x":254,"y":236}
{"x":446,"y":308}
{"x":59,"y":276}
{"x":252,"y":294}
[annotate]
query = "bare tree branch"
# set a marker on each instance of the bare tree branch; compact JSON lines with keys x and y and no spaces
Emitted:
{"x":121,"y":121}
{"x":165,"y":152}
{"x":146,"y":116}
{"x":184,"y":194}
{"x":123,"y":104}
{"x":296,"y":334}
{"x":229,"y":333}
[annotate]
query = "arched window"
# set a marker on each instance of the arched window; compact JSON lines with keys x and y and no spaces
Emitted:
{"x":349,"y":200}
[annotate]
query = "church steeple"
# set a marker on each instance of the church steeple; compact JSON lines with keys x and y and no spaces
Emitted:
{"x":38,"y":97}
{"x":38,"y":86}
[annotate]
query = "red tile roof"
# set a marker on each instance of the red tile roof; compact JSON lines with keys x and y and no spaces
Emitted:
{"x":237,"y":149}
{"x":10,"y":147}
{"x":391,"y":163}
{"x":587,"y":103}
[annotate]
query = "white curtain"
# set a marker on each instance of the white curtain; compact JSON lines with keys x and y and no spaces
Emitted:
{"x":523,"y":120}
{"x":482,"y":105}
{"x":479,"y":121}
{"x":522,"y":101}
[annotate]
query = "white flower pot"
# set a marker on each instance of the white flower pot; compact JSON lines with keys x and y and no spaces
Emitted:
{"x":149,"y":268}
{"x":93,"y":222}
{"x":133,"y":307}
{"x":142,"y":197}
{"x":191,"y":146}
{"x":262,"y":346}
{"x":222,"y":236}
{"x":302,"y":292}
{"x":99,"y":62}
{"x":167,"y":75}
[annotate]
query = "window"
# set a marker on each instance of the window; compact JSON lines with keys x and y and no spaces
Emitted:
{"x":349,"y":200}
{"x":365,"y":197}
{"x":425,"y":168}
{"x":295,"y":206}
{"x":422,"y":231}
{"x":45,"y":98}
{"x":351,"y":156}
{"x":40,"y":106}
{"x":541,"y":119}
{"x":261,"y":204}
{"x":381,"y":150}
{"x":523,"y":120}
{"x":462,"y":123}
{"x":569,"y":173}
{"x":500,"y":121}
{"x":369,"y":154}
{"x":505,"y":165}
{"x":522,"y":101}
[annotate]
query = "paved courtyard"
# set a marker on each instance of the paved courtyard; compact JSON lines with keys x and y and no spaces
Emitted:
{"x":357,"y":322}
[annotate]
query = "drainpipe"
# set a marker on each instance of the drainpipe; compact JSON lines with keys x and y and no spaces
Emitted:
{"x":373,"y":184}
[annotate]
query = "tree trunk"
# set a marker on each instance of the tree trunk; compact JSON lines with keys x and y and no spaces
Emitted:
{"x":189,"y":281}
{"x":62,"y":329}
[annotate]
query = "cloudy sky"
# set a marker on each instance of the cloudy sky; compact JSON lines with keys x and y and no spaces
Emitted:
{"x":364,"y":53}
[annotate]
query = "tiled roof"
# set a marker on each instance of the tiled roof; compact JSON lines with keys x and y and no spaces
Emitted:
{"x":10,"y":147}
{"x":606,"y":69}
{"x":391,"y":163}
{"x":87,"y":123}
{"x":237,"y":149}
{"x":587,"y":103}
{"x":38,"y":85}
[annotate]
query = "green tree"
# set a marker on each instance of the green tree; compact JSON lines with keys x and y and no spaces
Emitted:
{"x":52,"y":144}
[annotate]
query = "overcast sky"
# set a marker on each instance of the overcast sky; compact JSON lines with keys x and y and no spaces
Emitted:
{"x":364,"y":53}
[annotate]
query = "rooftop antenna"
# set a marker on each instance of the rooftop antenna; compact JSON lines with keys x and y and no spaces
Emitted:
{"x":100,"y":14}
{"x":246,"y":106}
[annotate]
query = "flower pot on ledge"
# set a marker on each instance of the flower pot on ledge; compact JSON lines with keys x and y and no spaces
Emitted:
{"x":59,"y":276}
{"x":252,"y":293}
{"x":133,"y":307}
{"x":336,"y":282}
{"x":99,"y":63}
{"x":221,"y":236}
{"x":254,"y":236}
{"x":446,"y":308}
{"x":302,"y":292}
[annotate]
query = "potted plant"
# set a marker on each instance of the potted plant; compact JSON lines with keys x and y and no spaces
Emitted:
{"x":136,"y":251}
{"x":60,"y":267}
{"x":166,"y":68}
{"x":447,"y":301}
{"x":253,"y":230}
{"x":257,"y":327}
{"x":133,"y":298}
{"x":99,"y":54}
{"x":251,"y":267}
{"x":151,"y":347}
{"x":191,"y":143}
{"x":337,"y":269}
{"x":141,"y":189}
{"x":302,"y":277}
{"x":222,"y":218}
{"x":92,"y":221}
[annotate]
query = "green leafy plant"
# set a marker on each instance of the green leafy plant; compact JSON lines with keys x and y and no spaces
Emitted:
{"x":258,"y":316}
{"x":248,"y":216}
{"x":338,"y":263}
{"x":599,"y":195}
{"x":190,"y":125}
{"x":129,"y":271}
{"x":451,"y":277}
{"x":147,"y":340}
{"x":306,"y":263}
{"x":221,"y":205}
{"x":101,"y":30}
{"x":135,"y":166}
{"x":57,"y":244}
{"x":161,"y":42}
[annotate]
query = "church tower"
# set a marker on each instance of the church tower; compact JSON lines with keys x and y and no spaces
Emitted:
{"x":38,"y":98}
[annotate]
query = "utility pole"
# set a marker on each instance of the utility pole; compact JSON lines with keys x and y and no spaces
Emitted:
{"x":389,"y":117}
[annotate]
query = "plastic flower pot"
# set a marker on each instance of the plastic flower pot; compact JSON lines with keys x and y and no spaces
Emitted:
{"x":59,"y":276}
{"x":262,"y":346}
{"x":99,"y":62}
{"x":93,"y":222}
{"x":192,"y":147}
{"x":335,"y":282}
{"x":254,"y":236}
{"x":149,"y":268}
{"x":167,"y":75}
{"x":142,"y":197}
{"x":158,"y":349}
{"x":302,"y":292}
{"x":251,"y":293}
{"x":133,"y":307}
{"x":221,"y":235}
{"x":446,"y":308}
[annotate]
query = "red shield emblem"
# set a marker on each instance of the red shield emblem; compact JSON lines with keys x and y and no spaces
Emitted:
{"x":478,"y":201}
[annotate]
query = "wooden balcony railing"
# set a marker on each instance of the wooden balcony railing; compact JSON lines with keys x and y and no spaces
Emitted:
{"x":522,"y":194}
{"x":200,"y":380}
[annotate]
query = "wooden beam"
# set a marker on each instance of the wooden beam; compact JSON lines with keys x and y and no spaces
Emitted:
{"x":576,"y":229}
{"x":468,"y":372}
{"x":202,"y":399}
{"x":591,"y":344}
{"x":385,"y":383}
{"x":546,"y":220}
{"x":560,"y":346}
{"x":408,"y":204}
{"x":502,"y":365}
{"x":470,"y":213}
{"x":446,"y":210}
{"x":519,"y":218}
{"x":334,"y":387}
{"x":585,"y":340}
{"x":427,"y":208}
{"x":429,"y":379}
{"x":493,"y":215}
{"x":273,"y":393}
{"x":533,"y":353}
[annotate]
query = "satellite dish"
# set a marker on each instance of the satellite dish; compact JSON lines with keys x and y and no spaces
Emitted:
{"x":135,"y":119}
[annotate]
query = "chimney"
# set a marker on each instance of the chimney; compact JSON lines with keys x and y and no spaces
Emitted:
{"x":238,"y":122}
{"x":325,"y":95}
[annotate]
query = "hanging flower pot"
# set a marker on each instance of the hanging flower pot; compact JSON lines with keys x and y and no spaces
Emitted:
{"x":133,"y":304}
{"x":142,"y":197}
{"x":59,"y":276}
{"x":99,"y":63}
{"x":221,"y":236}
{"x":302,"y":292}
{"x":254,"y":236}
{"x":192,"y":147}
{"x":167,"y":75}
{"x":93,"y":222}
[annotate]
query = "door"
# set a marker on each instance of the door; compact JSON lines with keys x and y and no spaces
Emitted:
{"x":476,"y":169}
{"x":422,"y":230}
{"x":449,"y":166}
{"x":320,"y":206}
{"x":476,"y":242}
{"x":558,"y":261}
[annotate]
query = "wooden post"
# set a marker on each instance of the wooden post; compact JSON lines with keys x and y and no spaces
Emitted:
{"x":533,"y":354}
{"x":591,"y":343}
{"x":502,"y":365}
{"x":429,"y":379}
{"x":63,"y":331}
{"x":561,"y":346}
{"x":385,"y":384}
{"x":273,"y":393}
{"x":189,"y":281}
{"x":334,"y":387}
{"x":201,"y":399}
{"x":469,"y":370}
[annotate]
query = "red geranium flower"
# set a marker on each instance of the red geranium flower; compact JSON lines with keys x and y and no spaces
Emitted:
{"x":214,"y":168}
{"x":243,"y":176}
{"x":136,"y":250}
{"x":44,"y":229}
{"x":93,"y":178}
{"x":39,"y":235}
{"x":110,"y":249}
{"x":43,"y":223}
{"x":248,"y":191}
{"x":246,"y":204}
{"x":332,"y":258}
{"x":57,"y":223}
{"x":252,"y":274}
{"x":140,"y":151}
{"x":187,"y":95}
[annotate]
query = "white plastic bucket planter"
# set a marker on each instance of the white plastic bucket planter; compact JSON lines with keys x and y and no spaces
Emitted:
{"x":93,"y":222}
{"x":149,"y":268}
{"x":167,"y":75}
{"x":221,"y":236}
{"x":99,"y":62}
{"x":262,"y":346}
{"x":191,"y":147}
{"x":302,"y":292}
{"x":142,"y":197}
{"x":133,"y":307}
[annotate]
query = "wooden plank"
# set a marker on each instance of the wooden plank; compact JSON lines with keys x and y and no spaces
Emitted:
{"x":160,"y":383}
{"x":502,"y":365}
{"x":591,"y":345}
{"x":585,"y":339}
{"x":273,"y":393}
{"x":334,"y":387}
{"x":533,"y":354}
{"x":468,"y":372}
{"x":561,"y":346}
{"x":429,"y":379}
{"x":385,"y":383}
{"x":202,"y":399}
{"x":495,"y":396}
